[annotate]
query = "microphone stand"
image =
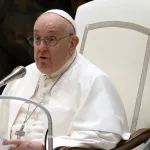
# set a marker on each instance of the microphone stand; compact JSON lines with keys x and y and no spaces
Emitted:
{"x":50,"y":130}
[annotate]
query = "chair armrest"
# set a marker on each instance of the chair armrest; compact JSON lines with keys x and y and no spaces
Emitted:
{"x":137,"y":138}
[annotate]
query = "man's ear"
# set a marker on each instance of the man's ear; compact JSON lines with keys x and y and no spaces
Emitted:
{"x":73,"y":44}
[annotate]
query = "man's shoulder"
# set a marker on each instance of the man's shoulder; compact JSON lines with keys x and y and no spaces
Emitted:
{"x":88,"y":68}
{"x":32,"y":70}
{"x":31,"y":66}
{"x":89,"y":74}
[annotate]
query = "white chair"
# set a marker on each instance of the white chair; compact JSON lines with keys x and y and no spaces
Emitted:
{"x":114,"y":35}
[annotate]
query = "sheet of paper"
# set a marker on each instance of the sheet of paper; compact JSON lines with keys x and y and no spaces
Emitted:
{"x":3,"y":147}
{"x":1,"y":139}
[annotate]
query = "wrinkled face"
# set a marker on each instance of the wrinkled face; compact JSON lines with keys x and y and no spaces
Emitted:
{"x":48,"y":57}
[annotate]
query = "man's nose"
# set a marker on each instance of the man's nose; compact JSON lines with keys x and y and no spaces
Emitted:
{"x":43,"y":46}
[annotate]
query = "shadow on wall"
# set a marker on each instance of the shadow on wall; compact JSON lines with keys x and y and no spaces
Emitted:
{"x":17,"y":18}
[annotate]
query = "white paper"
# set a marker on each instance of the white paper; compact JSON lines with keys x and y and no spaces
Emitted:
{"x":1,"y":139}
{"x":3,"y":147}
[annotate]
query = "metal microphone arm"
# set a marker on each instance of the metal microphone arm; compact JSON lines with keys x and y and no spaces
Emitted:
{"x":50,"y":130}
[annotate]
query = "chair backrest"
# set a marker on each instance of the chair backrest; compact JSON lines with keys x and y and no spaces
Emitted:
{"x":114,"y":34}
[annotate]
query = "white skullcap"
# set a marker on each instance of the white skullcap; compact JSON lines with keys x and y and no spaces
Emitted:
{"x":64,"y":15}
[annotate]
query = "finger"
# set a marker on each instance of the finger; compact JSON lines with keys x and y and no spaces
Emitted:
{"x":12,"y":142}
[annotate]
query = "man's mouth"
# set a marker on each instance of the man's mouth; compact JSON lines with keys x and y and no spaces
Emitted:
{"x":42,"y":57}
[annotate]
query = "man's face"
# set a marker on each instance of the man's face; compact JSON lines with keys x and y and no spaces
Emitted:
{"x":49,"y":58}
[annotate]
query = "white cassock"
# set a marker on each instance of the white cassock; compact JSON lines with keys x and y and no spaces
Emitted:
{"x":85,"y":107}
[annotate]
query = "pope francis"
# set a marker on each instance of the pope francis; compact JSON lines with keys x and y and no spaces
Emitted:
{"x":85,"y":107}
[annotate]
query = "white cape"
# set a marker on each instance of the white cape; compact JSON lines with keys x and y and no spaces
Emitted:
{"x":83,"y":100}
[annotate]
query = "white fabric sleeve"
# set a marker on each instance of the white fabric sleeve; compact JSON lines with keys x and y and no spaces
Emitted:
{"x":100,"y":121}
{"x":88,"y":139}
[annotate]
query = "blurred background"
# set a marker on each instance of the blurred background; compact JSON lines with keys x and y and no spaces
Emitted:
{"x":17,"y":18}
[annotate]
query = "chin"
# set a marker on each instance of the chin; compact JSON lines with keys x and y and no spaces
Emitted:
{"x":44,"y":68}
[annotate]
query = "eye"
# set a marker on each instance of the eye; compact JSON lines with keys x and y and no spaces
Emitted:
{"x":37,"y":38}
{"x":52,"y":39}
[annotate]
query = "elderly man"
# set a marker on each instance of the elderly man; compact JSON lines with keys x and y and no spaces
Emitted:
{"x":86,"y":109}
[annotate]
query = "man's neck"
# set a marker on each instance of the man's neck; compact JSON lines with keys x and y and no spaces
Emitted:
{"x":63,"y":68}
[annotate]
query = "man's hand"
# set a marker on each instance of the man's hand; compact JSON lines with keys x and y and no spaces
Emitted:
{"x":24,"y":145}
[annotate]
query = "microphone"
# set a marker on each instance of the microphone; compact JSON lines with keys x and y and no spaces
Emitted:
{"x":17,"y":73}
